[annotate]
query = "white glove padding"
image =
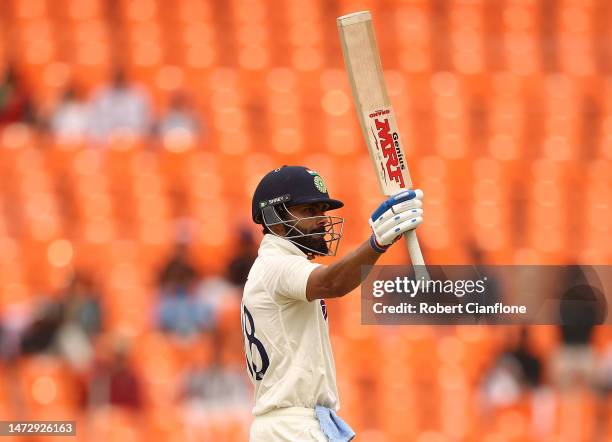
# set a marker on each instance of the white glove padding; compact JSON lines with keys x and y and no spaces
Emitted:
{"x":400,"y":213}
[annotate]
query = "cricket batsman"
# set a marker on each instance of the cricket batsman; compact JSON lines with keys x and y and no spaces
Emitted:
{"x":284,"y":316}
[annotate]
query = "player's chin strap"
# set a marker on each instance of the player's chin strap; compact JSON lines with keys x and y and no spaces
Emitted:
{"x":332,"y":234}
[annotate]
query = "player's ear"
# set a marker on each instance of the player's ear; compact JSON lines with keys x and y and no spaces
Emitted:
{"x":278,"y":229}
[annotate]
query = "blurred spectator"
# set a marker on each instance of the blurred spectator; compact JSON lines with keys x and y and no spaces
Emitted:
{"x":517,"y":374}
{"x":529,"y":363}
{"x":65,"y":326}
{"x":82,"y":304}
{"x":120,"y":107}
{"x":180,"y":116}
{"x":16,"y":319}
{"x":603,"y":382}
{"x":5,"y":352}
{"x":604,"y":370}
{"x":70,"y":119}
{"x":515,"y":371}
{"x":215,"y":291}
{"x":113,"y":381}
{"x":178,"y":274}
{"x":240,"y":265}
{"x":580,"y":309}
{"x":211,"y":383}
{"x":40,"y":335}
{"x":184,"y":314}
{"x":82,"y":320}
{"x":180,"y":311}
{"x":15,"y":103}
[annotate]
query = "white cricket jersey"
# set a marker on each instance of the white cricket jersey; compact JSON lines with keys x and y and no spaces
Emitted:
{"x":286,"y":338}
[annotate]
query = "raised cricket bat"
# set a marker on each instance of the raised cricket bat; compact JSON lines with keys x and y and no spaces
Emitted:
{"x":375,"y":113}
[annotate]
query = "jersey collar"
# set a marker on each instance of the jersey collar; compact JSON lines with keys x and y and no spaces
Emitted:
{"x":275,"y":245}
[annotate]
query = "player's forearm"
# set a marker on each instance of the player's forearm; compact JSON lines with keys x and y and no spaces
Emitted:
{"x":344,"y":275}
{"x":348,"y":271}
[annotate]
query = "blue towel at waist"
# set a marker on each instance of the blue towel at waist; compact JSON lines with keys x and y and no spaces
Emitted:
{"x":332,"y":426}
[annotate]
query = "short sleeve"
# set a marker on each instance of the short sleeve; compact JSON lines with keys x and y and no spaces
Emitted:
{"x":287,"y":276}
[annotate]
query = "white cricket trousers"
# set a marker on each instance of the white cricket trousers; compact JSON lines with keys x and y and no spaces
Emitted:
{"x":292,"y":424}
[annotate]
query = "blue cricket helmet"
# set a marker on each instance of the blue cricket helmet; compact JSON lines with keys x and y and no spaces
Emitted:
{"x":291,"y":186}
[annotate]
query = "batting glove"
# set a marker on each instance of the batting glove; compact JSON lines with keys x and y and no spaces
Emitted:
{"x":400,"y":213}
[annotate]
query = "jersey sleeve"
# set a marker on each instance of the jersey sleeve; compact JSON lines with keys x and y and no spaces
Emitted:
{"x":287,"y":276}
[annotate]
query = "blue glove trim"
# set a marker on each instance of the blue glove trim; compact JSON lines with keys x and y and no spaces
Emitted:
{"x":395,"y":199}
{"x":377,"y":247}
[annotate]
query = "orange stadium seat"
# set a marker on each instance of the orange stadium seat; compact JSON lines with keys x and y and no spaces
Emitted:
{"x":155,"y":357}
{"x":45,"y":382}
{"x":8,"y":393}
{"x":115,"y":424}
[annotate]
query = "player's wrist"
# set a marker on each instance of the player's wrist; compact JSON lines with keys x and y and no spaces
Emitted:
{"x":378,"y":248}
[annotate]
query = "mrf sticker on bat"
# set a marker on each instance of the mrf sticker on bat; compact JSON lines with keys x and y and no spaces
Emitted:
{"x":388,"y":153}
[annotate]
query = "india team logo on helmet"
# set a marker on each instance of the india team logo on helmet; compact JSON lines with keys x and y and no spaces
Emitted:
{"x":318,"y":181}
{"x":320,"y":184}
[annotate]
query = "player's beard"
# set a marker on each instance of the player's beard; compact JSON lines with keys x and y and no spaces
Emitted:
{"x":314,"y":243}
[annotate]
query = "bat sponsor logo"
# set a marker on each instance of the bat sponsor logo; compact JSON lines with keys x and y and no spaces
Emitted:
{"x":398,"y":149}
{"x":382,"y":173}
{"x":390,"y":147}
{"x":379,"y":113}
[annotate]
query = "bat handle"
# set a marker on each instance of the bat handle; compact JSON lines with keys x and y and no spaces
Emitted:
{"x":420,"y":270}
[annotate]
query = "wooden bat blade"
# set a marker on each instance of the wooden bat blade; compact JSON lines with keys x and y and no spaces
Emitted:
{"x":372,"y":103}
{"x":374,"y":110}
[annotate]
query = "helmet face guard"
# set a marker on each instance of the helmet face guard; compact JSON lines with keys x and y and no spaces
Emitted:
{"x":331,"y":235}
